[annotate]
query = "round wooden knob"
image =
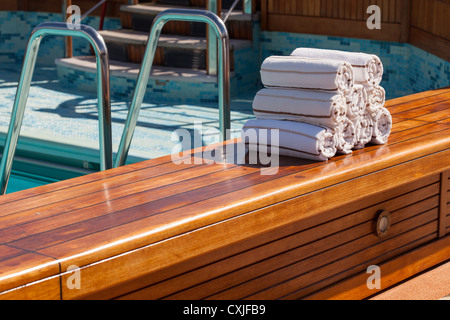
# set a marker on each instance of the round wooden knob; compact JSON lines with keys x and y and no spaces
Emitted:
{"x":383,"y":223}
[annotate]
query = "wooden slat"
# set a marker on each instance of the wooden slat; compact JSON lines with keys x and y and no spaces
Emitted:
{"x":423,"y":23}
{"x":253,"y":221}
{"x":396,"y":107}
{"x":405,"y":19}
{"x":47,"y":289}
{"x":154,"y":215}
{"x":430,"y":43}
{"x":432,"y":113}
{"x":332,"y":27}
{"x":239,"y":254}
{"x":443,"y":201}
{"x":419,"y":99}
{"x":113,"y":9}
{"x":14,"y":262}
{"x":286,"y":243}
{"x":303,"y":293}
{"x":286,"y":288}
{"x":264,"y":13}
{"x":85,"y":208}
{"x":401,"y":267}
{"x":333,"y":247}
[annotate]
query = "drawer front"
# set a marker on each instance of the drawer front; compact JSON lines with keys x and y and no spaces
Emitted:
{"x":299,"y":259}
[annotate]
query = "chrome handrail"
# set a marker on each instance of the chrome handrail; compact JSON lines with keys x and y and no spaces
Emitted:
{"x":92,"y":9}
{"x":230,"y":10}
{"x":103,"y":93}
{"x":223,"y":72}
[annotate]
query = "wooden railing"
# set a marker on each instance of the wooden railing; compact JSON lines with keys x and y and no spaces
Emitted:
{"x":423,"y":23}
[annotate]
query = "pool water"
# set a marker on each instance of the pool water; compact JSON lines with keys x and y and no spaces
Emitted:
{"x":60,"y":127}
{"x":22,"y":181}
{"x":59,"y":136}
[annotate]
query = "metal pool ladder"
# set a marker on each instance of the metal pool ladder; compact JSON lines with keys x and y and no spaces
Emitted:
{"x":223,"y":74}
{"x":103,"y":93}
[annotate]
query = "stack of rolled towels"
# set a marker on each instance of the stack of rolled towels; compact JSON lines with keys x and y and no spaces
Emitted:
{"x":322,"y":102}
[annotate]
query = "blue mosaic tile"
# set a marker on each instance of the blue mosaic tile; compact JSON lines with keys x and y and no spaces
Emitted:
{"x":408,"y":69}
{"x":16,"y":27}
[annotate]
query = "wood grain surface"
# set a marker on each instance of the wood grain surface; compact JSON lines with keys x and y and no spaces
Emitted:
{"x":156,"y":229}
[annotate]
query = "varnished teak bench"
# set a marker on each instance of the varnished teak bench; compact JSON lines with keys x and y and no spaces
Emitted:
{"x":224,"y":231}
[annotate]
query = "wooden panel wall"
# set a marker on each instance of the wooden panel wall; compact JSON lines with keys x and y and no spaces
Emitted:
{"x":56,"y":6}
{"x":333,"y":17}
{"x":423,"y":23}
{"x":430,"y":26}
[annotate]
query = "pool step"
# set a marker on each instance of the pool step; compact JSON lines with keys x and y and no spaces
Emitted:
{"x":153,"y":9}
{"x":165,"y":85}
{"x":131,"y":70}
{"x":179,"y":73}
{"x":173,"y":50}
{"x":128,"y":36}
{"x":140,"y":17}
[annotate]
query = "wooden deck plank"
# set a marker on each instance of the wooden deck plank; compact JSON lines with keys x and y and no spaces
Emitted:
{"x":259,"y":222}
{"x":442,"y":115}
{"x":136,"y":210}
{"x":419,"y":113}
{"x":88,"y":203}
{"x":181,"y":213}
{"x":19,"y":267}
{"x":39,"y":194}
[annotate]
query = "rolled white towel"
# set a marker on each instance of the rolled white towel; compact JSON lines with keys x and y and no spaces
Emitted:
{"x":346,"y":137}
{"x":296,"y":139}
{"x":315,"y":107}
{"x":364,"y":128}
{"x":376,"y":98}
{"x":306,"y":73}
{"x":356,"y":102}
{"x":367,"y":68}
{"x":382,"y":126}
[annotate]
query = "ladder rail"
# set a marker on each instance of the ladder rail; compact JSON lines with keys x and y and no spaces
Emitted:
{"x":103,"y":93}
{"x":223,"y":75}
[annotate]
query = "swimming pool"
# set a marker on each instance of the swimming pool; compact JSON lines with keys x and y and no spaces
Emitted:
{"x":65,"y":117}
{"x":59,"y":135}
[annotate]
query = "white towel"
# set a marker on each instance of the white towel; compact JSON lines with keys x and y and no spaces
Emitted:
{"x":315,"y":107}
{"x":356,"y":102}
{"x":296,"y":139}
{"x":367,"y":68}
{"x":376,"y":98}
{"x":346,"y":136}
{"x":382,"y":125}
{"x":364,"y":128}
{"x":305,"y":73}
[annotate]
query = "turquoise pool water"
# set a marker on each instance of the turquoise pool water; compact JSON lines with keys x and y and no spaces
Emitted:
{"x":60,"y":127}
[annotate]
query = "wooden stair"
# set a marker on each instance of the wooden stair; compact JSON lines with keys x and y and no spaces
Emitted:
{"x":182,"y":48}
{"x":187,"y":46}
{"x":178,"y":51}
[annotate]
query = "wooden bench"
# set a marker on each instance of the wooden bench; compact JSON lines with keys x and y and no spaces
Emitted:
{"x":157,"y":230}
